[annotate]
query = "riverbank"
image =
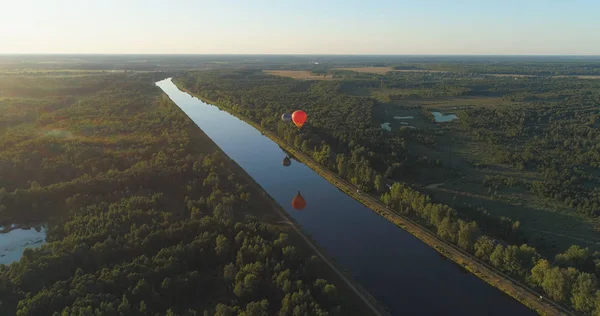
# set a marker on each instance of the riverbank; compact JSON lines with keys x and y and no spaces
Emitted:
{"x":488,"y":274}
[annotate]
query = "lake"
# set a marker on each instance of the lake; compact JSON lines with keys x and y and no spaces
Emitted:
{"x":439,"y":117}
{"x":402,"y":272}
{"x":386,"y":126}
{"x":14,"y":240}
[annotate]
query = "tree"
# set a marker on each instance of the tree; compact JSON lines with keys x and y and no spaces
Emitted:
{"x":222,"y":246}
{"x":143,"y":307}
{"x":467,"y":235}
{"x":556,"y":284}
{"x":538,"y":272}
{"x":379,"y":183}
{"x":224,"y":310}
{"x":575,"y":256}
{"x":583,"y":293}
{"x":497,"y":257}
{"x":342,"y":165}
{"x":124,"y":308}
{"x":229,"y":271}
{"x":256,"y":309}
{"x":484,"y":246}
{"x":448,"y":230}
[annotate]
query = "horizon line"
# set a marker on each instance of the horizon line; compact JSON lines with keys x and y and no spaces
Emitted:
{"x":287,"y":54}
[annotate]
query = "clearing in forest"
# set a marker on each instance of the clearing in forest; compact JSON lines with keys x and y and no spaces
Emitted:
{"x":297,"y":74}
{"x":383,"y":70}
{"x":375,"y":70}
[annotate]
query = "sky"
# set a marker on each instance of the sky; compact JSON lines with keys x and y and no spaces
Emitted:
{"x":431,"y":27}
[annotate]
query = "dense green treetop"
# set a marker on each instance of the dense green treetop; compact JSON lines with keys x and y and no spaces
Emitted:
{"x":147,"y":216}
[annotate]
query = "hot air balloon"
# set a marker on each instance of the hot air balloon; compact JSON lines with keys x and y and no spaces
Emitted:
{"x":286,"y":117}
{"x":299,"y":118}
{"x":286,"y":161}
{"x":298,"y":202}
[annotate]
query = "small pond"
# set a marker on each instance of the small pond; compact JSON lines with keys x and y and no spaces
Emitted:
{"x":14,"y":239}
{"x":439,"y":117}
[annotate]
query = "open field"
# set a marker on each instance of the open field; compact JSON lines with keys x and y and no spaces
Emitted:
{"x":375,"y":70}
{"x":383,"y":70}
{"x":530,"y":76}
{"x":459,"y":102}
{"x":552,"y":225}
{"x":305,"y":74}
{"x":383,"y":96}
{"x":543,"y":224}
{"x":297,"y":74}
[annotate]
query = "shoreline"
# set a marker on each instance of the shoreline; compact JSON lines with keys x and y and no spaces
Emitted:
{"x":517,"y":290}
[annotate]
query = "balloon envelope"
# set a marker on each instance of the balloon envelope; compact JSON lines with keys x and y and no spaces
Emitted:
{"x":286,"y":117}
{"x":298,"y":202}
{"x":299,"y":118}
{"x":286,"y":162}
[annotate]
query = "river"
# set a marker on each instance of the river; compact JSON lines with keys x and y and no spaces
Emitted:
{"x":402,"y":272}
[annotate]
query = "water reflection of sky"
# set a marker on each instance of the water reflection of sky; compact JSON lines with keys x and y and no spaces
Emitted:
{"x":439,"y":117}
{"x":14,"y":242}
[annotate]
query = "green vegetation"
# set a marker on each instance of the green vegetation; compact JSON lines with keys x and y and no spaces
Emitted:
{"x":540,"y":146}
{"x":521,"y":67}
{"x":147,"y":216}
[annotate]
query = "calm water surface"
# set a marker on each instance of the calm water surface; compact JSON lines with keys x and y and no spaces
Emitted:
{"x":13,"y":242}
{"x":402,"y":272}
{"x":439,"y":117}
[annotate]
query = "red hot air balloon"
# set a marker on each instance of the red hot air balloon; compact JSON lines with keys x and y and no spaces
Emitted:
{"x":299,"y":118}
{"x":298,"y":202}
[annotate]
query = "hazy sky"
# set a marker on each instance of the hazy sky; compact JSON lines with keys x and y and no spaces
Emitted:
{"x":301,"y":27}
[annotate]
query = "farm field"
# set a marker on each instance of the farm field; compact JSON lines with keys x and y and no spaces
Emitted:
{"x":297,"y":74}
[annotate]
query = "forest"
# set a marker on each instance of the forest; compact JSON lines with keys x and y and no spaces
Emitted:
{"x":542,"y":130}
{"x":146,"y":215}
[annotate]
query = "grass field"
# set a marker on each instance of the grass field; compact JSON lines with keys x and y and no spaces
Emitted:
{"x":458,"y":102}
{"x":552,"y":225}
{"x":383,"y":70}
{"x":560,"y":76}
{"x":305,"y":74}
{"x":544,"y":223}
{"x":375,"y":70}
{"x":297,"y":74}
